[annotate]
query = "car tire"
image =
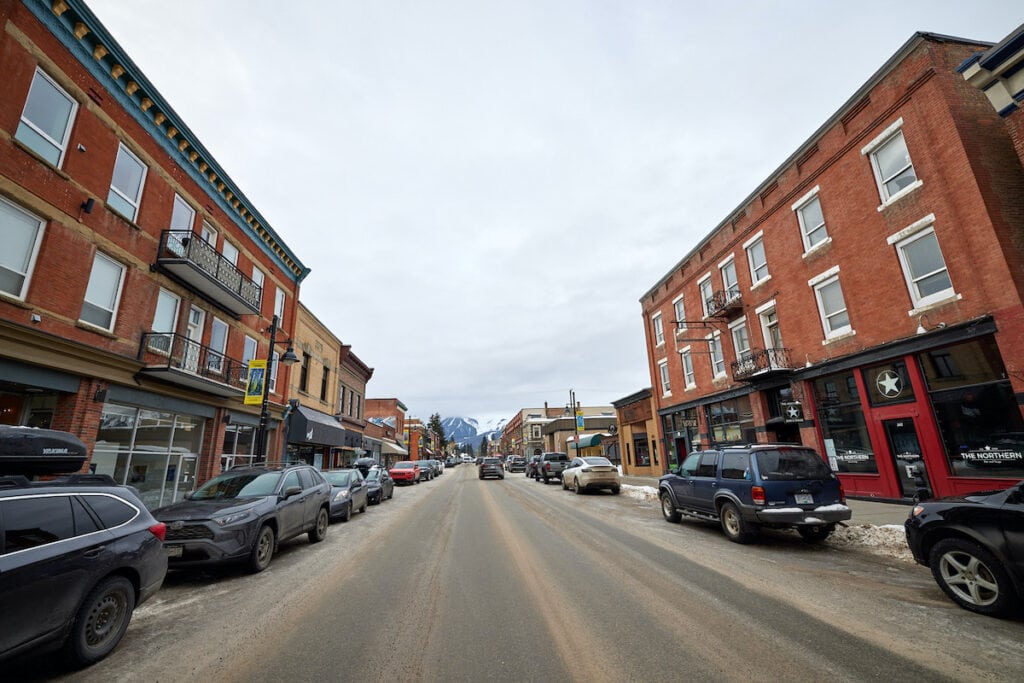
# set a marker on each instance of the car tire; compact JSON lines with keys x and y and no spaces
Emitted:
{"x":668,"y":508}
{"x":262,"y":550}
{"x":101,"y":621}
{"x":565,"y":487}
{"x":972,"y":577}
{"x":736,"y":528}
{"x":347,"y":514}
{"x":616,"y":490}
{"x":545,"y":480}
{"x":319,"y":530}
{"x":816,"y":534}
{"x":576,"y":486}
{"x":363,"y":509}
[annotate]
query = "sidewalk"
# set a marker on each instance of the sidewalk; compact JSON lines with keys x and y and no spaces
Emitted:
{"x":864,"y":511}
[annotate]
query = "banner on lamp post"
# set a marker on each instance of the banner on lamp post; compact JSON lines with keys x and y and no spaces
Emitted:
{"x":579,"y":420}
{"x":254,"y":382}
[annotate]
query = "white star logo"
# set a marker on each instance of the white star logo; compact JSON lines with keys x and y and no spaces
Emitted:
{"x":889,"y":384}
{"x":792,"y":411}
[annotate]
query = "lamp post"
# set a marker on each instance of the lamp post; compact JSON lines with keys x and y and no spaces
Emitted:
{"x":288,"y":358}
{"x":575,"y":419}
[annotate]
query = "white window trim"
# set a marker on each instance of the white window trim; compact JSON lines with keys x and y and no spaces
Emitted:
{"x":817,"y":247}
{"x":766,"y":306}
{"x":137,"y":201}
{"x":735,"y":325}
{"x":255,"y":346}
{"x":798,"y":204}
{"x":750,"y":263}
{"x":689,"y":353}
{"x":902,"y":193}
{"x":666,"y":383}
{"x":717,"y":338}
{"x":280,"y":299}
{"x":700,"y":293}
{"x":117,"y":297}
{"x":680,"y":325}
{"x":819,"y":283}
{"x":31,"y":265}
{"x":869,"y":149}
{"x":62,"y":145}
{"x":915,"y":227}
{"x":817,"y":279}
{"x":655,"y":320}
{"x":931,"y":300}
{"x":797,"y":208}
{"x":724,"y":262}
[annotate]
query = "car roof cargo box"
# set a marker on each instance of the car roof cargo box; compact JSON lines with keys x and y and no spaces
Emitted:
{"x":31,"y":451}
{"x":364,"y":464}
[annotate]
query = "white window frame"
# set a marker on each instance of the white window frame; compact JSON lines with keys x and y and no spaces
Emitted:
{"x":679,"y":308}
{"x":215,"y":359}
{"x":686,"y":359}
{"x":707,"y":292}
{"x":819,"y":283}
{"x":116,"y":295}
{"x":273,"y":372}
{"x":279,"y":302}
{"x":30,"y":254}
{"x":716,"y":355}
{"x":666,"y":384}
{"x":749,"y":246}
{"x":658,"y":327}
{"x":124,"y":153}
{"x":230,"y":252}
{"x":250,"y":349}
{"x":740,"y":345}
{"x":187,"y":210}
{"x":61,"y":146}
{"x":870,"y":150}
{"x":806,"y":230}
{"x":731,"y":289}
{"x":164,"y":344}
{"x":209,"y":234}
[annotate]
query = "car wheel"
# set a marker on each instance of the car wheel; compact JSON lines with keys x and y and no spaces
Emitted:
{"x":363,"y":509}
{"x":565,"y":487}
{"x":545,"y":480}
{"x":616,"y":490}
{"x":735,"y":527}
{"x":972,"y":577}
{"x":816,"y":534}
{"x":668,"y":509}
{"x":347,"y":514}
{"x":101,"y":621}
{"x":262,"y":550}
{"x":576,"y":486}
{"x":319,"y":530}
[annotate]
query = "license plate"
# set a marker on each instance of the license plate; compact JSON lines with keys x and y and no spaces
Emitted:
{"x":174,"y":551}
{"x":804,"y":499}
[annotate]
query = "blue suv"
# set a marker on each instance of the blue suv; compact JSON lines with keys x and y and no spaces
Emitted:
{"x":746,"y":488}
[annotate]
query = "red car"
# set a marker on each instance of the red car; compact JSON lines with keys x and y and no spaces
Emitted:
{"x":405,"y":472}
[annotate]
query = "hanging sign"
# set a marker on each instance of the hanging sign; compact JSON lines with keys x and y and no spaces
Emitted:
{"x":254,"y":383}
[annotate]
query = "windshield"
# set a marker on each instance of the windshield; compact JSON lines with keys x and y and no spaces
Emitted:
{"x":338,"y":478}
{"x":791,"y":464}
{"x":238,"y":485}
{"x":405,"y":465}
{"x":373,"y":475}
{"x":594,"y":460}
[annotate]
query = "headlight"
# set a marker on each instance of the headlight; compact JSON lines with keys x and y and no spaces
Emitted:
{"x":232,"y":518}
{"x":341,"y":495}
{"x":918,"y":509}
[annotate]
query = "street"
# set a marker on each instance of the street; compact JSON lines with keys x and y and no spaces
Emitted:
{"x":462,"y":579}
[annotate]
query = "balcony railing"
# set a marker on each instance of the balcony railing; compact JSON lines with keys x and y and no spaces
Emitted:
{"x":762,"y":363}
{"x":725,"y":302}
{"x":176,"y":358}
{"x":189,"y":257}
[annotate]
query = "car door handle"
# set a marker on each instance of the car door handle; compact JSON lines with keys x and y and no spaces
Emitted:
{"x":95,"y":552}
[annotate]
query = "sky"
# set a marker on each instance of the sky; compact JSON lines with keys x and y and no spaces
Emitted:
{"x":483,"y":191}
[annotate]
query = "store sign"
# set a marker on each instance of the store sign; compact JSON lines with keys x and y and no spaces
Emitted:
{"x":992,"y":456}
{"x":853,"y":456}
{"x":792,"y":411}
{"x":889,"y":384}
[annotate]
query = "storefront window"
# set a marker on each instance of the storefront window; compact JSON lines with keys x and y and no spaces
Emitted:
{"x":976,"y":410}
{"x":238,"y":445}
{"x":888,"y":383}
{"x":731,"y":421}
{"x":842,"y":424}
{"x":643,"y":455}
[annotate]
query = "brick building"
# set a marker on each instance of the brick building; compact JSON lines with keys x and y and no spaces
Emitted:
{"x":865,"y":299}
{"x":137,"y":280}
{"x":389,"y":414}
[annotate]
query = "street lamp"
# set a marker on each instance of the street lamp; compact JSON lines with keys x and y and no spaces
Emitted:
{"x":571,"y":409}
{"x":289,"y":358}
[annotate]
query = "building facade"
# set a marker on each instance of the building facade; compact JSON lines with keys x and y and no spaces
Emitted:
{"x":865,"y":299}
{"x":138,"y":282}
{"x":638,"y":435}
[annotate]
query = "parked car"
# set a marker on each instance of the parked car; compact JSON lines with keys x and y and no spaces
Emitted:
{"x":405,"y":472}
{"x":379,"y":486}
{"x":764,"y":485}
{"x":78,"y":553}
{"x":450,"y":461}
{"x":244,"y":514}
{"x":531,"y":466}
{"x":550,"y":466}
{"x":591,"y":472}
{"x":517,"y":464}
{"x":426,"y":471}
{"x":436,"y":466}
{"x":348,"y":493}
{"x":974,"y":545}
{"x":491,"y":467}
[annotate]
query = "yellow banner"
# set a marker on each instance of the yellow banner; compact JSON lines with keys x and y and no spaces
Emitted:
{"x":254,"y":384}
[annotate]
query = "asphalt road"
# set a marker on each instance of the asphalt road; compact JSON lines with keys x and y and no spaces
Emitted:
{"x":466,"y":580}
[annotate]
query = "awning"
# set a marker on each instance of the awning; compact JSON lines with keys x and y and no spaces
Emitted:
{"x":587,"y":440}
{"x":392,"y":448}
{"x":311,"y":426}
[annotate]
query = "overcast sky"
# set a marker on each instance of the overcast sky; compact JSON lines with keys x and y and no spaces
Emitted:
{"x":484,"y":190}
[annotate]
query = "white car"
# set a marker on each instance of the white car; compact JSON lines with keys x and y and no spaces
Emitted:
{"x":591,"y":472}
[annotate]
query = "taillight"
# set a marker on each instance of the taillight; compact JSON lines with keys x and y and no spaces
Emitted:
{"x":159,"y":530}
{"x":547,"y":466}
{"x":757,"y":494}
{"x":842,"y":493}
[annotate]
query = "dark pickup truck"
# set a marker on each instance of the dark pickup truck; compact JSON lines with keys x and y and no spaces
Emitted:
{"x":550,"y":467}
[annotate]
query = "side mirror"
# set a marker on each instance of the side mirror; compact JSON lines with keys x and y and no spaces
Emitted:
{"x":292,"y":490}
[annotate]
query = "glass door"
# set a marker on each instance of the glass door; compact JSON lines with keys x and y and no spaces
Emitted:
{"x":905,"y":448}
{"x":196,"y":319}
{"x":184,"y":478}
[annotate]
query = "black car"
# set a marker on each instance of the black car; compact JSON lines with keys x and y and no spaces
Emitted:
{"x":379,"y":485}
{"x":77,"y":553}
{"x":243,"y":514}
{"x":974,"y":545}
{"x":491,"y":467}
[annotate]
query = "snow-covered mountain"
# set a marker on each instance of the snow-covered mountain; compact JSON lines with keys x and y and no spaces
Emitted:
{"x":468,"y":431}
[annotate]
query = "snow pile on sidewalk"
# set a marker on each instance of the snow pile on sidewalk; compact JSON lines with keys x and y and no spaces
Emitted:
{"x":648,"y":493}
{"x":888,"y":540}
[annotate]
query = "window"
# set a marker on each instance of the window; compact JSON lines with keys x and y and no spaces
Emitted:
{"x":273,"y":372}
{"x":812,"y":221}
{"x":757,"y":260}
{"x":279,"y":303}
{"x":659,"y":329}
{"x":23,"y":234}
{"x":341,"y":399}
{"x":680,"y":311}
{"x":735,"y":466}
{"x":708,"y":465}
{"x":717,"y":359}
{"x":740,"y":339}
{"x":772,"y":333}
{"x":165,"y":320}
{"x":257,"y":278}
{"x":304,"y":372}
{"x":890,"y":161}
{"x":103,"y":294}
{"x":183,"y":216}
{"x":208,"y":234}
{"x":248,"y":350}
{"x":666,"y":387}
{"x":218,"y":344}
{"x":36,"y":521}
{"x":831,"y":304}
{"x":924,"y":268}
{"x":126,"y":185}
{"x":687,"y":359}
{"x":323,"y":383}
{"x":231,"y":253}
{"x":729,"y":282}
{"x":707,"y":295}
{"x":45,"y":125}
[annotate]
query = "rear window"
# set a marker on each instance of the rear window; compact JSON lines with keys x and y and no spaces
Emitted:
{"x":791,"y":464}
{"x":556,"y":457}
{"x":594,"y":460}
{"x":491,"y":461}
{"x":112,"y":511}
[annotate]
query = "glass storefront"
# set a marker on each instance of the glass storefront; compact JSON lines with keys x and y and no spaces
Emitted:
{"x":842,"y":423}
{"x":977,"y":413}
{"x":731,"y":421}
{"x":239,"y":441}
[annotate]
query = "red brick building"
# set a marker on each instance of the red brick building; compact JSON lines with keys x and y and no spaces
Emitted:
{"x":137,"y":280}
{"x":865,"y":299}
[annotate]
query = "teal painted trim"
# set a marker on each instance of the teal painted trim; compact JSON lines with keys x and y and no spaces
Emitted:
{"x":62,"y":28}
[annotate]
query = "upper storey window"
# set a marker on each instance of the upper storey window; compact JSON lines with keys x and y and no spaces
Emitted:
{"x":890,"y":160}
{"x":126,"y":185}
{"x":45,"y":125}
{"x":22,"y":234}
{"x":812,"y":221}
{"x":659,"y":329}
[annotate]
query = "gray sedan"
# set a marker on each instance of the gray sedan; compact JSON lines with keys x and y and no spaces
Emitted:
{"x":348,"y":493}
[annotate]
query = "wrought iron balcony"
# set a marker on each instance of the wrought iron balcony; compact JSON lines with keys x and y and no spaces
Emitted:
{"x":177,"y":359}
{"x":725,"y":303}
{"x":188,"y":257}
{"x":762,"y":363}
